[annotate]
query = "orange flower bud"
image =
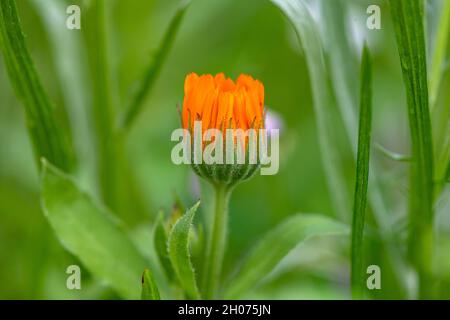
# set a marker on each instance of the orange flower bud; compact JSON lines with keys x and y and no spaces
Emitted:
{"x":220,"y":103}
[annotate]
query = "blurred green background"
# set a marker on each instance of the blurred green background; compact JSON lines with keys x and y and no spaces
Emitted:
{"x":230,"y":36}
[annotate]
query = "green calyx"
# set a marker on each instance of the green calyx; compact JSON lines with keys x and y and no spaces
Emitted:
{"x":226,"y":174}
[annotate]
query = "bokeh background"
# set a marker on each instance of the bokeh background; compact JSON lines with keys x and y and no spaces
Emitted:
{"x":230,"y":36}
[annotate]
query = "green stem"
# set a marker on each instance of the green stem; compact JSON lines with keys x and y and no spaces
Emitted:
{"x":103,"y":113}
{"x":408,"y":24}
{"x":217,"y":240}
{"x":424,"y":259}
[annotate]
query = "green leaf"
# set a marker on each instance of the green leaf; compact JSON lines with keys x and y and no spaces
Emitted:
{"x":67,"y":54}
{"x":48,"y":137}
{"x":407,"y":16}
{"x":179,"y":253}
{"x":342,"y":66}
{"x":342,"y":62}
{"x":319,"y":38}
{"x":90,"y":233}
{"x":160,"y":240}
{"x":151,"y":74}
{"x":439,"y":82}
{"x":149,"y":288}
{"x":275,"y":245}
{"x":308,"y":32}
{"x":362,"y":174}
{"x":440,"y":47}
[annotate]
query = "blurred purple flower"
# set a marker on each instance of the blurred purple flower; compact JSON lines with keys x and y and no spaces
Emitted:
{"x":273,"y":121}
{"x":194,"y":182}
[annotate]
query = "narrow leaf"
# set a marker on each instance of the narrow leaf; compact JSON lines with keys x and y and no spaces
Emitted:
{"x":160,"y":240}
{"x":180,"y":255}
{"x":439,"y":82}
{"x":67,"y":53}
{"x":440,"y":47}
{"x":151,"y":74}
{"x":362,"y":174}
{"x":90,"y":233}
{"x":275,"y":245}
{"x":342,"y":62}
{"x":407,"y":16}
{"x":48,"y":138}
{"x":342,"y":67}
{"x":149,"y":288}
{"x":308,"y":32}
{"x":316,"y":37}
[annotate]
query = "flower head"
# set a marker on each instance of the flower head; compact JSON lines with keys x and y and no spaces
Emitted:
{"x":221,"y":104}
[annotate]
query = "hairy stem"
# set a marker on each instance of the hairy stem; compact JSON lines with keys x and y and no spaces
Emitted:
{"x":216,"y":244}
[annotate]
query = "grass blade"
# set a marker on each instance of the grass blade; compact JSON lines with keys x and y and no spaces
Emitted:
{"x":151,"y":74}
{"x":440,"y":48}
{"x":315,"y":43}
{"x":342,"y":63}
{"x":343,"y":71}
{"x":439,"y":81}
{"x":308,"y":33}
{"x":274,"y":246}
{"x":407,"y":16}
{"x":48,"y":137}
{"x":67,"y":53}
{"x":362,"y":174}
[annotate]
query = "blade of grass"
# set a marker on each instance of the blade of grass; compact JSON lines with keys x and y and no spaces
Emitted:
{"x":407,"y":16}
{"x":439,"y":80}
{"x":342,"y":62}
{"x":440,"y":48}
{"x":343,"y":70}
{"x":151,"y":74}
{"x":309,"y":36}
{"x":441,"y":135}
{"x":362,"y":175}
{"x":48,"y":137}
{"x":67,"y":53}
{"x":347,"y":105}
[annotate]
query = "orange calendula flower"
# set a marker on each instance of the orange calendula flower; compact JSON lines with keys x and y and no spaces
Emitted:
{"x":217,"y":102}
{"x":221,"y":103}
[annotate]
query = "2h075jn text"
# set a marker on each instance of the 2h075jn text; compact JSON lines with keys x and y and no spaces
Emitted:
{"x":226,"y":309}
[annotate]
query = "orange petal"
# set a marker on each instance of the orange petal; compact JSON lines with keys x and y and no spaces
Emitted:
{"x":190,"y":82}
